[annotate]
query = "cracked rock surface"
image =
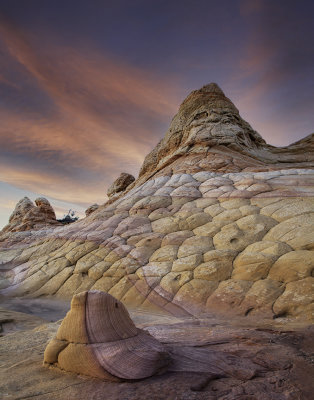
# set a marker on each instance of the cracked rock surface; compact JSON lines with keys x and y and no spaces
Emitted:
{"x":216,"y":359}
{"x":218,"y":221}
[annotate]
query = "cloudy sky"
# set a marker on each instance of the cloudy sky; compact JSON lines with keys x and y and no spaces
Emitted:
{"x":88,"y":88}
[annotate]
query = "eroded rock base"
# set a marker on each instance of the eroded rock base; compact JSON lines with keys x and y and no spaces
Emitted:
{"x":213,"y":360}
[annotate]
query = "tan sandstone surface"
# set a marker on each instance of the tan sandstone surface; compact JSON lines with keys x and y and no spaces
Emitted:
{"x":217,"y":222}
{"x":98,"y":338}
{"x":29,"y":216}
{"x":212,"y":359}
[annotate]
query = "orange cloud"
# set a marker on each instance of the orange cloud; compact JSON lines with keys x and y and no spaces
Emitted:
{"x":9,"y":205}
{"x":100,"y":120}
{"x":52,"y":185}
{"x":78,"y":79}
{"x":80,"y":142}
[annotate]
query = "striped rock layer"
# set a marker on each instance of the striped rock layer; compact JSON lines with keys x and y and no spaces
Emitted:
{"x":218,"y":221}
{"x":98,"y":338}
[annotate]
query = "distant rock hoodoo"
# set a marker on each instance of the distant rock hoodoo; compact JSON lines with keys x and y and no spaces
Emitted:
{"x":218,"y":221}
{"x":27,"y":215}
{"x":98,"y":338}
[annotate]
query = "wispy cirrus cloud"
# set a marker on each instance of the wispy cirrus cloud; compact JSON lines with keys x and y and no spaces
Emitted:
{"x":82,"y":80}
{"x":74,"y":116}
{"x":53,"y":185}
{"x":272,"y":83}
{"x":96,"y":123}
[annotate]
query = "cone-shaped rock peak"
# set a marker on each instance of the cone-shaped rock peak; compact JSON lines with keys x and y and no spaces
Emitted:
{"x":206,"y":118}
{"x":211,"y":88}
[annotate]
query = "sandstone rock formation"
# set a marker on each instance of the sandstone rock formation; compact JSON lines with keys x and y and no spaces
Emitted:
{"x":120,"y":184}
{"x":218,"y":221}
{"x":27,"y":216}
{"x":91,"y":209}
{"x":98,"y":338}
{"x":225,"y":358}
{"x":208,"y":134}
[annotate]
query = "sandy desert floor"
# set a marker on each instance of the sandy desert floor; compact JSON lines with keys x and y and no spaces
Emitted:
{"x":212,"y":358}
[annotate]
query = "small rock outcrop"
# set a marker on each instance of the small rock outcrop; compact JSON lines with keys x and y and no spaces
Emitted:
{"x":29,"y":216}
{"x":91,"y":209}
{"x":120,"y":184}
{"x":98,"y":338}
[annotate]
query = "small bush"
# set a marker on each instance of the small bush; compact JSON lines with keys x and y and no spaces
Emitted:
{"x":68,"y":218}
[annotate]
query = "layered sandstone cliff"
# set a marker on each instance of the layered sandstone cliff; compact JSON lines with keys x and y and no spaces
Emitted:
{"x":217,"y":221}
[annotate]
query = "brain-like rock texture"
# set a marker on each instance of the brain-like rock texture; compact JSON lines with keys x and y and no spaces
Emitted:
{"x":98,"y":338}
{"x":217,"y":221}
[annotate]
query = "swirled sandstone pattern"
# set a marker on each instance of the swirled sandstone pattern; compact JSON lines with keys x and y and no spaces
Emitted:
{"x":98,"y":338}
{"x":218,"y":221}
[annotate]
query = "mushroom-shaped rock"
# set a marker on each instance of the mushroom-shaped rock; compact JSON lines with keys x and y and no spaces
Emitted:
{"x":98,"y":338}
{"x":120,"y":184}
